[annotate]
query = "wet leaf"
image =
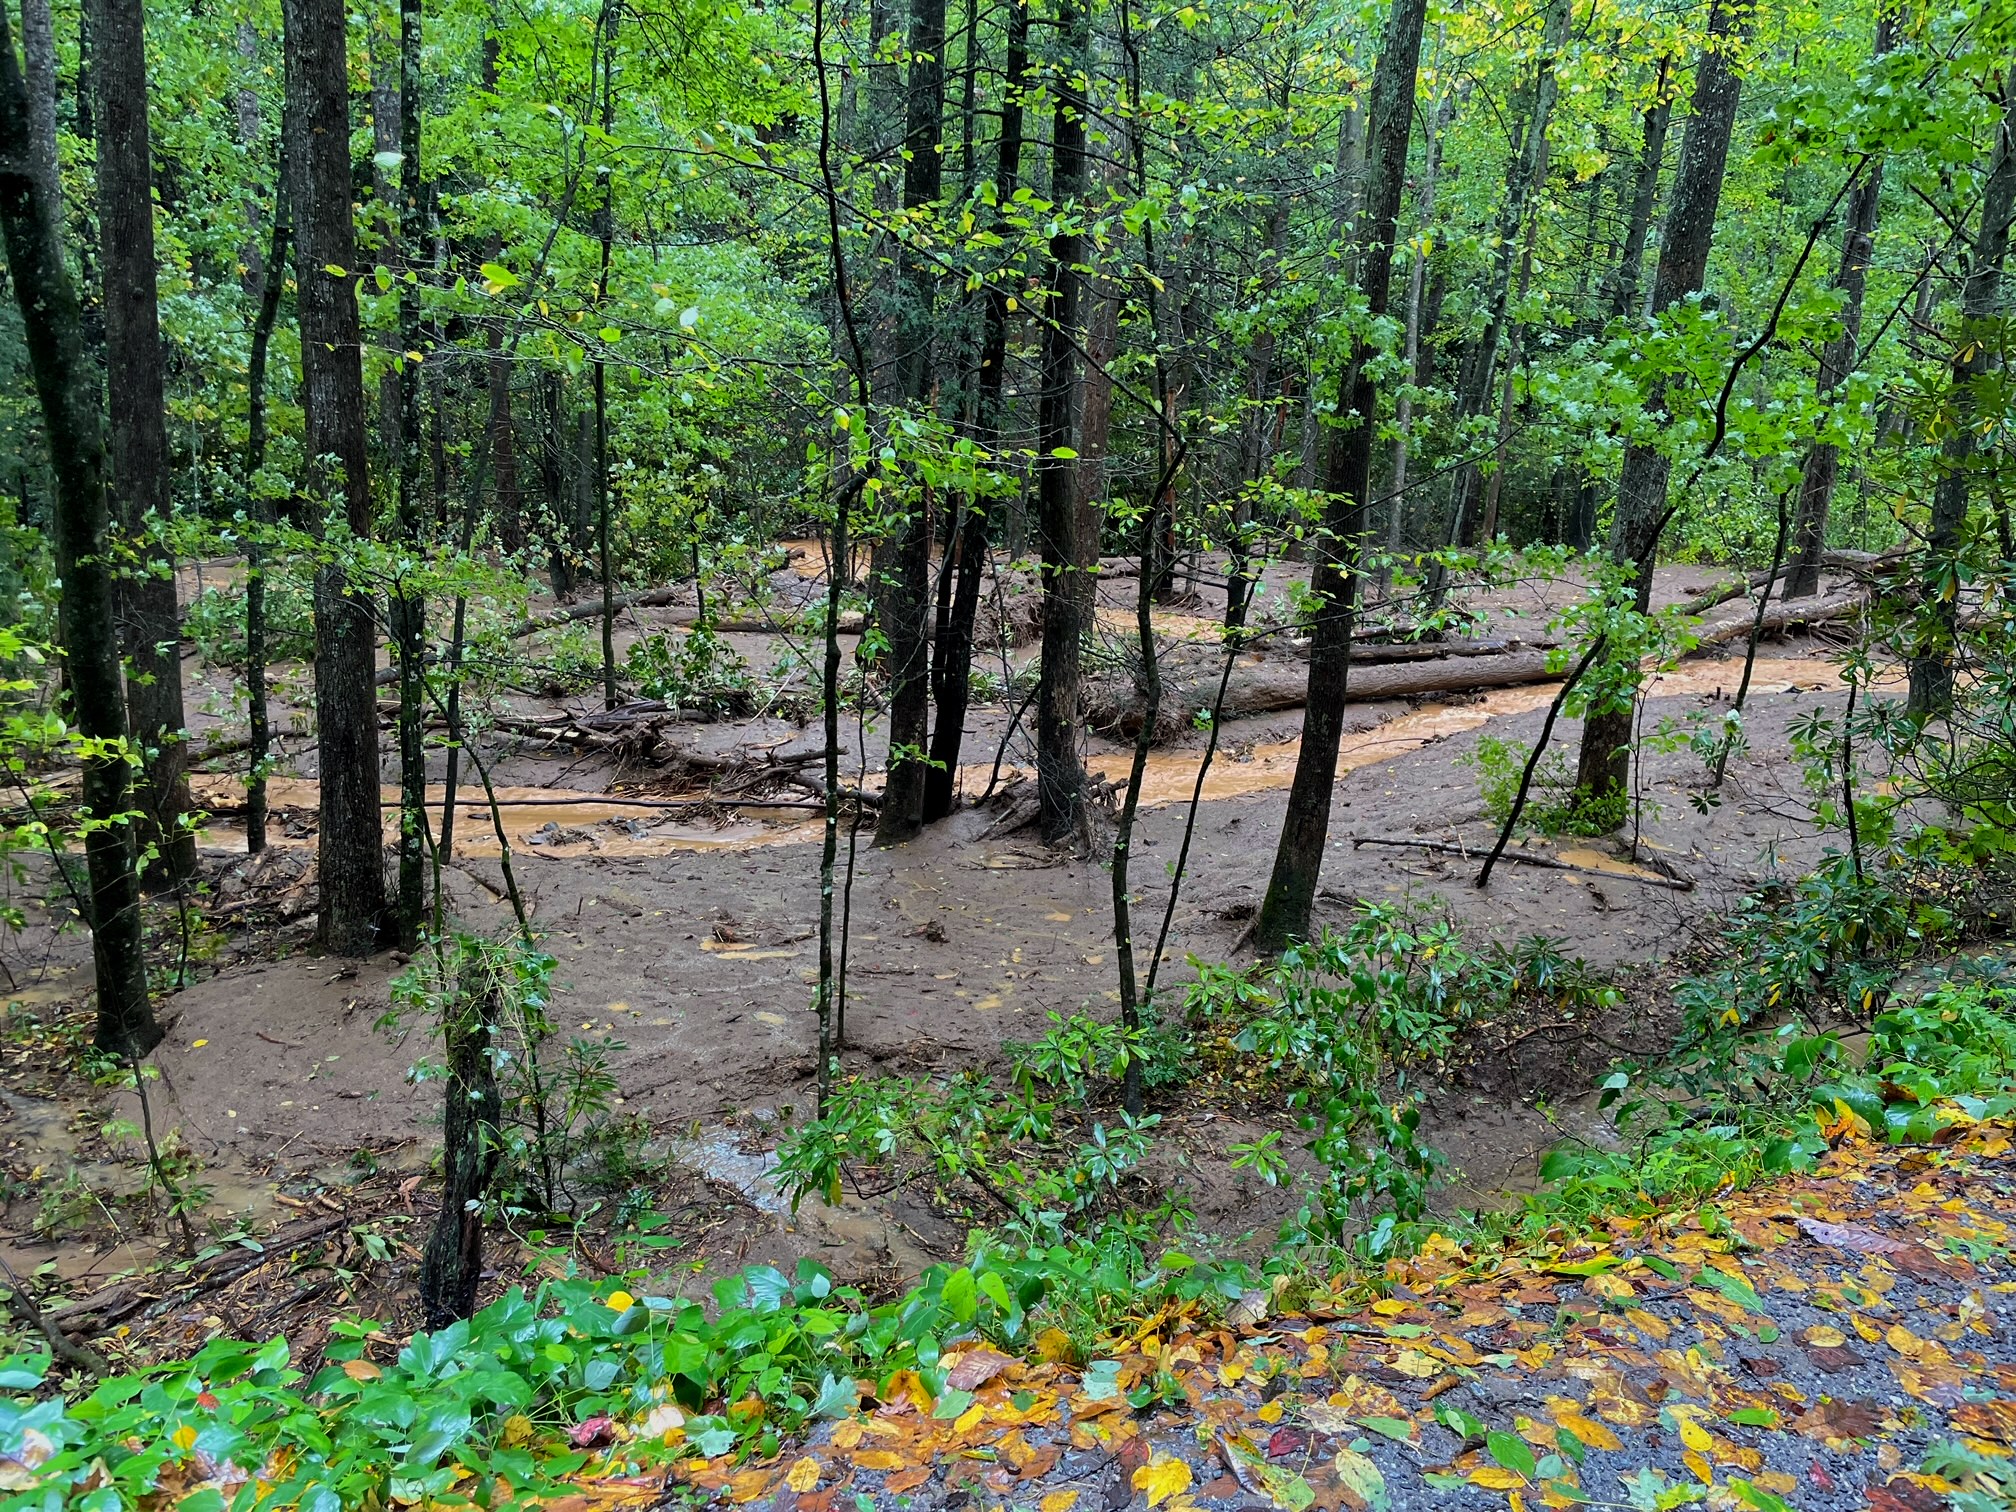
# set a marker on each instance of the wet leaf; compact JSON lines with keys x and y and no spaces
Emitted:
{"x":803,"y":1475}
{"x":1162,"y":1478}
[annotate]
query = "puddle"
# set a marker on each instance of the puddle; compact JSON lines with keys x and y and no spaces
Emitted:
{"x":717,"y":1155}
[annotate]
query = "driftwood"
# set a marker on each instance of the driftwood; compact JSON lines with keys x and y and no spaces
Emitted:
{"x":1527,"y":858}
{"x":1270,"y":686}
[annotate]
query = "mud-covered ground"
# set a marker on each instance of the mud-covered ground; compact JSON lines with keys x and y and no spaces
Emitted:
{"x":688,"y":937}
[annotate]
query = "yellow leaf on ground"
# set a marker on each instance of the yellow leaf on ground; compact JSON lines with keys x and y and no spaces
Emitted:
{"x":1496,"y":1478}
{"x":1696,"y":1461}
{"x":1568,"y":1415}
{"x":1054,"y":1347}
{"x":1059,"y":1501}
{"x":1648,"y":1324}
{"x":1270,"y":1412}
{"x":749,"y":1485}
{"x":1825,"y":1336}
{"x":1693,"y":1435}
{"x":1162,"y":1478}
{"x":878,"y":1459}
{"x":803,"y":1475}
{"x":847,"y":1434}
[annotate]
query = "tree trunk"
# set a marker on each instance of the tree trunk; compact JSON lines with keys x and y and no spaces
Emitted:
{"x":1622,"y":285}
{"x":350,"y":844}
{"x":259,"y":510}
{"x":1603,"y":771}
{"x":52,"y":326}
{"x":952,"y":654}
{"x":1837,"y":360}
{"x":1417,"y":277}
{"x":906,"y":603}
{"x":1060,"y":775}
{"x":150,"y":633}
{"x":553,"y":487}
{"x":408,"y":611}
{"x":1298,"y":861}
{"x":38,"y":57}
{"x":1974,"y":347}
{"x":452,"y":1266}
{"x":1523,"y":181}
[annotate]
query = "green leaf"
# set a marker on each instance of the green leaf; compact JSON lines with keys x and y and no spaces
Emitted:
{"x":1511,"y":1451}
{"x":1397,"y":1429}
{"x":951,"y":1404}
{"x":838,"y":1396}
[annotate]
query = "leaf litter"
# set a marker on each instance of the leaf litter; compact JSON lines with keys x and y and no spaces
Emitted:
{"x":1805,"y":1344}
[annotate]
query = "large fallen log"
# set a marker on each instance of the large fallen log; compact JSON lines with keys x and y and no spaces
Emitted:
{"x":1260,"y":686}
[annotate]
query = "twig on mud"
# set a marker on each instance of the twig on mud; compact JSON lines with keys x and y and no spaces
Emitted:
{"x":1671,"y":884}
{"x":61,"y":1345}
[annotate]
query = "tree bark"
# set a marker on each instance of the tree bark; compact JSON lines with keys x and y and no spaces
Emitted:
{"x":452,"y":1265}
{"x":149,"y":626}
{"x":1621,"y":287}
{"x":1060,"y":774}
{"x":38,"y":57}
{"x":906,"y":602}
{"x":952,"y":654}
{"x":52,"y":326}
{"x":259,"y":510}
{"x":1603,"y":770}
{"x":350,"y":845}
{"x":1837,"y":359}
{"x":408,"y":611}
{"x":1298,"y":860}
{"x":1973,"y":361}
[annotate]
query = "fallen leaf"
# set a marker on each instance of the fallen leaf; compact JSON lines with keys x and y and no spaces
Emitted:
{"x":1826,"y":1336}
{"x":908,"y":1480}
{"x":1496,"y":1478}
{"x":878,"y":1459}
{"x":976,"y":1368}
{"x":1360,"y":1477}
{"x":749,"y":1485}
{"x":803,"y":1475}
{"x":1059,"y":1501}
{"x":1905,"y":1254}
{"x":1162,"y":1478}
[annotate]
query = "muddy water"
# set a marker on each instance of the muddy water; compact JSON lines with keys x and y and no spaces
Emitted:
{"x":564,"y":822}
{"x":1172,"y":776}
{"x":556,"y":821}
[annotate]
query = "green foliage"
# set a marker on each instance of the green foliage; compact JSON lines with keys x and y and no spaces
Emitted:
{"x":696,"y":669}
{"x":562,"y":1139}
{"x":215,"y":620}
{"x":1553,"y":807}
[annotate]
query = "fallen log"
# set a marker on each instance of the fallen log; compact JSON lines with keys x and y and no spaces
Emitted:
{"x":1269,"y":687}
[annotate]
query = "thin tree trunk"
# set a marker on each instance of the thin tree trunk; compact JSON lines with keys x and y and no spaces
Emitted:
{"x":553,"y":487}
{"x":906,"y":601}
{"x":150,"y":632}
{"x":1621,"y":287}
{"x":1973,"y":360}
{"x":408,"y":611}
{"x":1603,"y":770}
{"x":1523,"y":181}
{"x":953,"y":654}
{"x":52,"y":326}
{"x":451,"y":1267}
{"x":259,"y":509}
{"x":38,"y":57}
{"x":1060,"y":774}
{"x":1298,"y":861}
{"x":1837,"y":360}
{"x":605,"y":228}
{"x":350,"y":845}
{"x":1417,"y":278}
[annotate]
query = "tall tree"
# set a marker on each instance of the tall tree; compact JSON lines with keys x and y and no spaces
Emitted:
{"x":38,"y":58}
{"x":952,"y":652}
{"x":1298,"y":859}
{"x":1974,"y":348}
{"x":1837,"y":358}
{"x":350,"y":843}
{"x":1060,"y":774}
{"x":1525,"y":174}
{"x":150,"y":631}
{"x":906,"y":602}
{"x":79,"y":521}
{"x":1604,"y":768}
{"x":407,"y":611}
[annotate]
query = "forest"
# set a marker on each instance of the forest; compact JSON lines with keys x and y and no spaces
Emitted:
{"x":728,"y":723}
